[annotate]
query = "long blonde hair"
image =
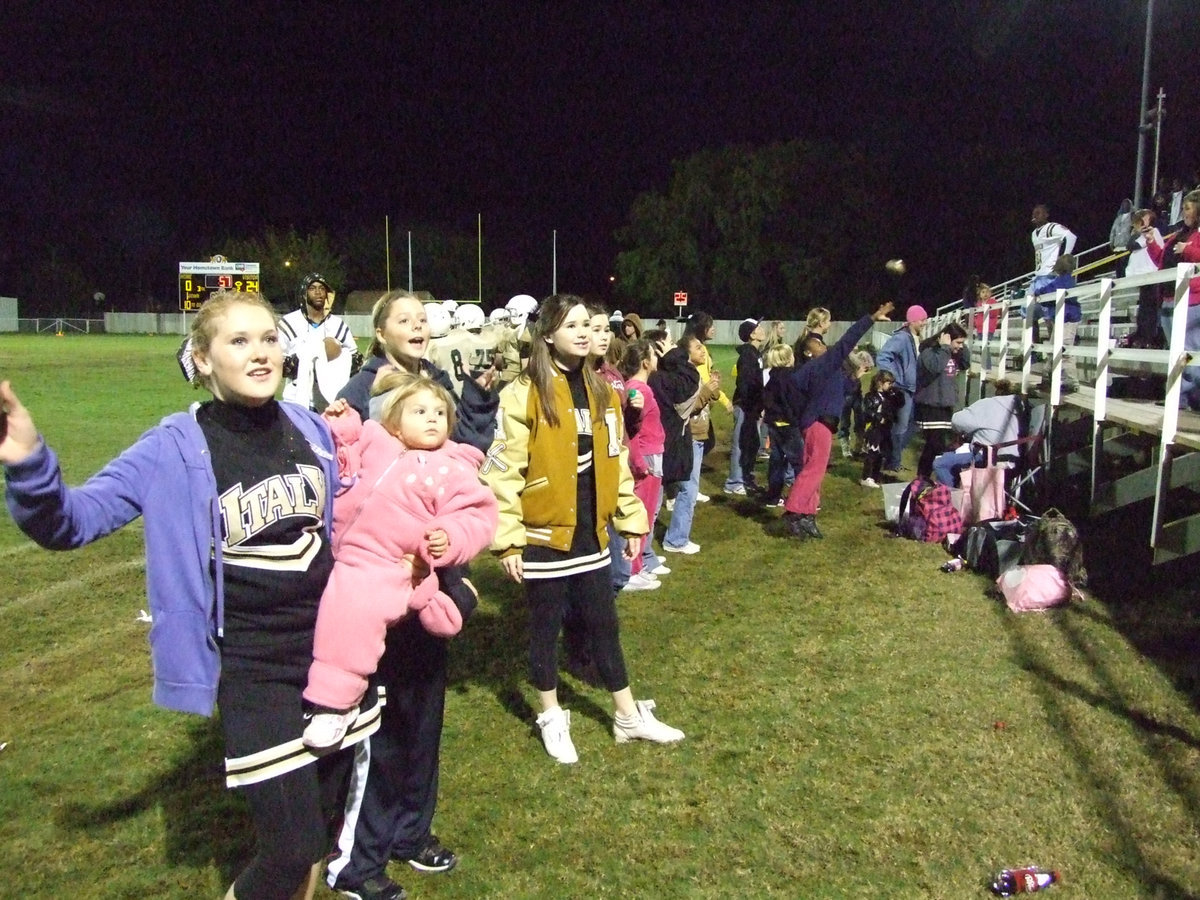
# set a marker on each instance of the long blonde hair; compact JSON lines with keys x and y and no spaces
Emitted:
{"x":541,"y":368}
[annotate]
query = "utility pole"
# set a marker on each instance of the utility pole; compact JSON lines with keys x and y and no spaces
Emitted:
{"x":1143,"y":125}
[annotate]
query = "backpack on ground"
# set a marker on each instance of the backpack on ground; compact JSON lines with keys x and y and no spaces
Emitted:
{"x":1054,"y":541}
{"x":927,"y":512}
{"x":993,"y":546}
{"x":909,"y":522}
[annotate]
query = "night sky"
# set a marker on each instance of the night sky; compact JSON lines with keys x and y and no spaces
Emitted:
{"x":175,"y":125}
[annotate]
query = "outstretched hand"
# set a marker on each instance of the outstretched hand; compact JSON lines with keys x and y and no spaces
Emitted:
{"x":884,"y":310}
{"x":18,"y":435}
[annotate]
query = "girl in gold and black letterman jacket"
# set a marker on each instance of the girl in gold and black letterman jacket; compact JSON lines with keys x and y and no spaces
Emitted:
{"x":560,"y":472}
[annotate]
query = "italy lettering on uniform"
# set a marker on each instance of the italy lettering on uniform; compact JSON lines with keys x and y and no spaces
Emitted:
{"x":248,"y":512}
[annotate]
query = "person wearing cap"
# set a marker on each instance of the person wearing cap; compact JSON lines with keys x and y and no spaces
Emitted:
{"x":318,"y":348}
{"x":747,"y":409}
{"x":899,"y":356}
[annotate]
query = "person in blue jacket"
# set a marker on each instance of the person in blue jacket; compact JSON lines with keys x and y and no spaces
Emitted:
{"x":899,"y":356}
{"x":236,"y":498}
{"x":813,"y":397}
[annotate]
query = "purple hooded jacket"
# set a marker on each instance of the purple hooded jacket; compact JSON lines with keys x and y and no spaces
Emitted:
{"x":167,"y":478}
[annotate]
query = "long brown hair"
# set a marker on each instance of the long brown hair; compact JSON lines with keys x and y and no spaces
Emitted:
{"x":541,"y":367}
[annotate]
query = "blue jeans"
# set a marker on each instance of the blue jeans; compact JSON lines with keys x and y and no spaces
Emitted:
{"x":946,"y":466}
{"x":735,"y":449}
{"x":902,"y":430}
{"x":679,"y":532}
{"x":618,"y":565}
{"x":1190,"y":388}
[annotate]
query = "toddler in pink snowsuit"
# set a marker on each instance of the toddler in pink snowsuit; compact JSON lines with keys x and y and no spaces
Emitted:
{"x":414,"y":503}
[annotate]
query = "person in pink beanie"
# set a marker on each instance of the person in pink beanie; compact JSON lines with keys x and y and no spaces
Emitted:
{"x":412,"y":503}
{"x":899,"y":357}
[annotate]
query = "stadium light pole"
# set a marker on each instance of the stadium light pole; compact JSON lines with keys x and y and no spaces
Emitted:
{"x":1143,"y":125}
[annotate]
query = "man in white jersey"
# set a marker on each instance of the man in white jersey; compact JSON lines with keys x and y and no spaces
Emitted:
{"x":318,"y":347}
{"x":1050,"y":240}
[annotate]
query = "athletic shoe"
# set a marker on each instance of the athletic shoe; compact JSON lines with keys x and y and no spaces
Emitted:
{"x":378,"y":888}
{"x":739,"y":491}
{"x":660,"y":569}
{"x":689,"y":548}
{"x":869,"y":482}
{"x":642,"y":581}
{"x":791,"y":521}
{"x":644,"y":727}
{"x":434,"y":857}
{"x":555,"y":725}
{"x":808,"y":524}
{"x":326,"y":729}
{"x":702,"y":498}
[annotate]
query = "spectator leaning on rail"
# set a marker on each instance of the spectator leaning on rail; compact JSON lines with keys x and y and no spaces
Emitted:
{"x":1183,"y":246}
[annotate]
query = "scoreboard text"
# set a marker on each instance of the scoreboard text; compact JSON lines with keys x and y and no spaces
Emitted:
{"x":199,"y":279}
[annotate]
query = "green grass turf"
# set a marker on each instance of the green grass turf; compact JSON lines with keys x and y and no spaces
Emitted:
{"x":859,"y":724}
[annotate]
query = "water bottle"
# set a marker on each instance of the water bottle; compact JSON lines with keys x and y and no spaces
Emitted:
{"x":954,"y":565}
{"x":1028,"y":880}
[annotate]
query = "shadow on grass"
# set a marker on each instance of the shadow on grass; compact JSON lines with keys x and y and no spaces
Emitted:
{"x":492,"y":652}
{"x":1106,"y":693}
{"x":203,"y":823}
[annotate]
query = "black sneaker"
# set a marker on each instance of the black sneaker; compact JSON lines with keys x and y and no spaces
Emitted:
{"x":434,"y":857}
{"x":808,"y":524}
{"x":792,"y":523}
{"x":378,"y":888}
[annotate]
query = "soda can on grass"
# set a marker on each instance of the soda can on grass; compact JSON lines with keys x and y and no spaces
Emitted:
{"x":1027,"y":880}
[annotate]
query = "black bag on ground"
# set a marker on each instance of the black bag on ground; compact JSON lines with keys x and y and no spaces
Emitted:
{"x":993,"y":546}
{"x":1054,"y":541}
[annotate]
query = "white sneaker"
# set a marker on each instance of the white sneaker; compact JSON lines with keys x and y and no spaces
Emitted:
{"x":642,"y":581}
{"x":555,"y":725}
{"x":689,"y":548}
{"x":869,"y":482}
{"x":327,"y":729}
{"x":737,"y":490}
{"x":658,"y":570}
{"x":702,"y":498}
{"x":645,"y":727}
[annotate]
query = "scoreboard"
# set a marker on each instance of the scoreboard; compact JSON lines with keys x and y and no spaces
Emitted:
{"x":199,"y":279}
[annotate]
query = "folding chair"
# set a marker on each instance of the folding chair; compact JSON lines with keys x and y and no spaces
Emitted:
{"x":1025,"y":460}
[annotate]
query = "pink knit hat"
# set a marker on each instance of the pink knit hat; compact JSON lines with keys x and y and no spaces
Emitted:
{"x":915,"y":314}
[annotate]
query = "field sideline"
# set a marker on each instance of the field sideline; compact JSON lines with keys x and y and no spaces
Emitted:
{"x":859,"y":724}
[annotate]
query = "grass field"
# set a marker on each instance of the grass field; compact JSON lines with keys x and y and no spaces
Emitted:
{"x":859,"y":724}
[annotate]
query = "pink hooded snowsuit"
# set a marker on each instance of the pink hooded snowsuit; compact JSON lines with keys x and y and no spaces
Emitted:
{"x":395,"y":495}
